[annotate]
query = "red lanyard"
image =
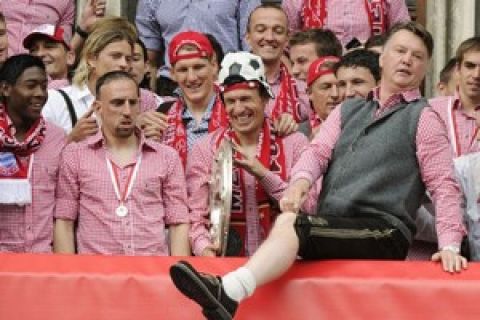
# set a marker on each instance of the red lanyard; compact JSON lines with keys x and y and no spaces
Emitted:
{"x":113,"y":170}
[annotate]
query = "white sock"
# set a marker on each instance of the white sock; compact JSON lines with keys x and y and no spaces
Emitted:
{"x":239,"y":284}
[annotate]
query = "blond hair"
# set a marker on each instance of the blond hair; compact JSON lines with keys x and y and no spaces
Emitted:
{"x":104,"y":32}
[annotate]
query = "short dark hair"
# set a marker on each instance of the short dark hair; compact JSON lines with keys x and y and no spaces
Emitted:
{"x":266,"y":5}
{"x":217,"y":47}
{"x":361,"y":58}
{"x":14,"y":66}
{"x":113,"y":76}
{"x":375,"y":40}
{"x":472,"y":43}
{"x":415,"y":28}
{"x":325,"y":41}
{"x":446,"y":72}
{"x":144,"y":49}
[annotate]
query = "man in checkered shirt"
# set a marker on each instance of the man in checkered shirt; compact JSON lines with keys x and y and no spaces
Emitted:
{"x":121,"y":188}
{"x":29,"y":158}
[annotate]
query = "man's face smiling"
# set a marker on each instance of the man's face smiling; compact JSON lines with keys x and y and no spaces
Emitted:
{"x":54,"y":55}
{"x":26,"y":98}
{"x":195,"y":77}
{"x":245,"y":108}
{"x":355,"y":81}
{"x":267,"y":34}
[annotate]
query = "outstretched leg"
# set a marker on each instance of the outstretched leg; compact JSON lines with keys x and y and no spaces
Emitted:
{"x":219,"y":297}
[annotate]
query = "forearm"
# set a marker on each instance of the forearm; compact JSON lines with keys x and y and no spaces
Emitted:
{"x":273,"y":185}
{"x":178,"y":235}
{"x":63,"y":237}
{"x":76,"y":45}
{"x":302,"y":185}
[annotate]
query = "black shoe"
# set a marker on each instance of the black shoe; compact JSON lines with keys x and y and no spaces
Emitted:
{"x":204,"y":289}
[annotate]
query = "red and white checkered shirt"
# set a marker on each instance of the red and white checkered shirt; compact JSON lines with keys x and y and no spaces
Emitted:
{"x":86,"y":194}
{"x":465,"y":123}
{"x":346,"y":18}
{"x":433,"y":154}
{"x":198,"y":172}
{"x":465,"y":135}
{"x":30,"y":228}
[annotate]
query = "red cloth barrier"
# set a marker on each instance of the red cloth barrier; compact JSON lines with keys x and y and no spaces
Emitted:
{"x":54,"y":287}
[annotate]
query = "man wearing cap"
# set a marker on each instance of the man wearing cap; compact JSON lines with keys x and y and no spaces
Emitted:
{"x":400,"y":149}
{"x":29,"y":158}
{"x":262,"y":160}
{"x":199,"y":109}
{"x":49,"y":43}
{"x":322,"y":89}
{"x":267,"y":35}
{"x":121,"y":188}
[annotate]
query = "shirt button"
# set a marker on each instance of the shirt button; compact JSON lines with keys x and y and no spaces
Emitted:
{"x":29,"y":228}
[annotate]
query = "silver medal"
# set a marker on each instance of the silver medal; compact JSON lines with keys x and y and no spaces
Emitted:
{"x":121,"y":211}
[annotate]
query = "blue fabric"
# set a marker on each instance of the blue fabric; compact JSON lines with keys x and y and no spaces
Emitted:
{"x":158,"y":21}
{"x":196,"y":131}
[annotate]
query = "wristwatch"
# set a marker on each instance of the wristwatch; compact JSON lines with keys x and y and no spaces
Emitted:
{"x":82,"y":33}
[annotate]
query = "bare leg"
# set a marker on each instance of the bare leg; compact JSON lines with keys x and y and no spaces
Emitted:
{"x":277,"y":253}
{"x":219,"y":298}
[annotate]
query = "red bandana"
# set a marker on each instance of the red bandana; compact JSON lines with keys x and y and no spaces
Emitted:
{"x":287,"y":99}
{"x":314,"y":13}
{"x":176,"y":135}
{"x":272,"y":156}
{"x":14,"y":154}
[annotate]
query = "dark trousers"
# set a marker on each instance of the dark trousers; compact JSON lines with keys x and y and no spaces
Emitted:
{"x":334,"y":237}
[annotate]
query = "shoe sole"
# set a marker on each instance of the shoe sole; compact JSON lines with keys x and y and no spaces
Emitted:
{"x":188,"y":281}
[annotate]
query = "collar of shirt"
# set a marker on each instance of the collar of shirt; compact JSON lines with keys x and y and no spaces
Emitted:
{"x":187,"y":115}
{"x":406,"y":96}
{"x":81,"y":92}
{"x":58,"y":83}
{"x":457,"y":105}
{"x":97,"y":140}
{"x":276,"y":80}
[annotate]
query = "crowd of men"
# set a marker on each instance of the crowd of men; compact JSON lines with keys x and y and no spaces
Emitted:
{"x":336,"y":153}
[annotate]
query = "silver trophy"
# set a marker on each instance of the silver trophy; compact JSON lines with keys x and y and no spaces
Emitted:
{"x":221,"y":196}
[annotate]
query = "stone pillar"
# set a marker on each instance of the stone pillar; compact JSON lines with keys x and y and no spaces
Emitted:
{"x":450,"y":22}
